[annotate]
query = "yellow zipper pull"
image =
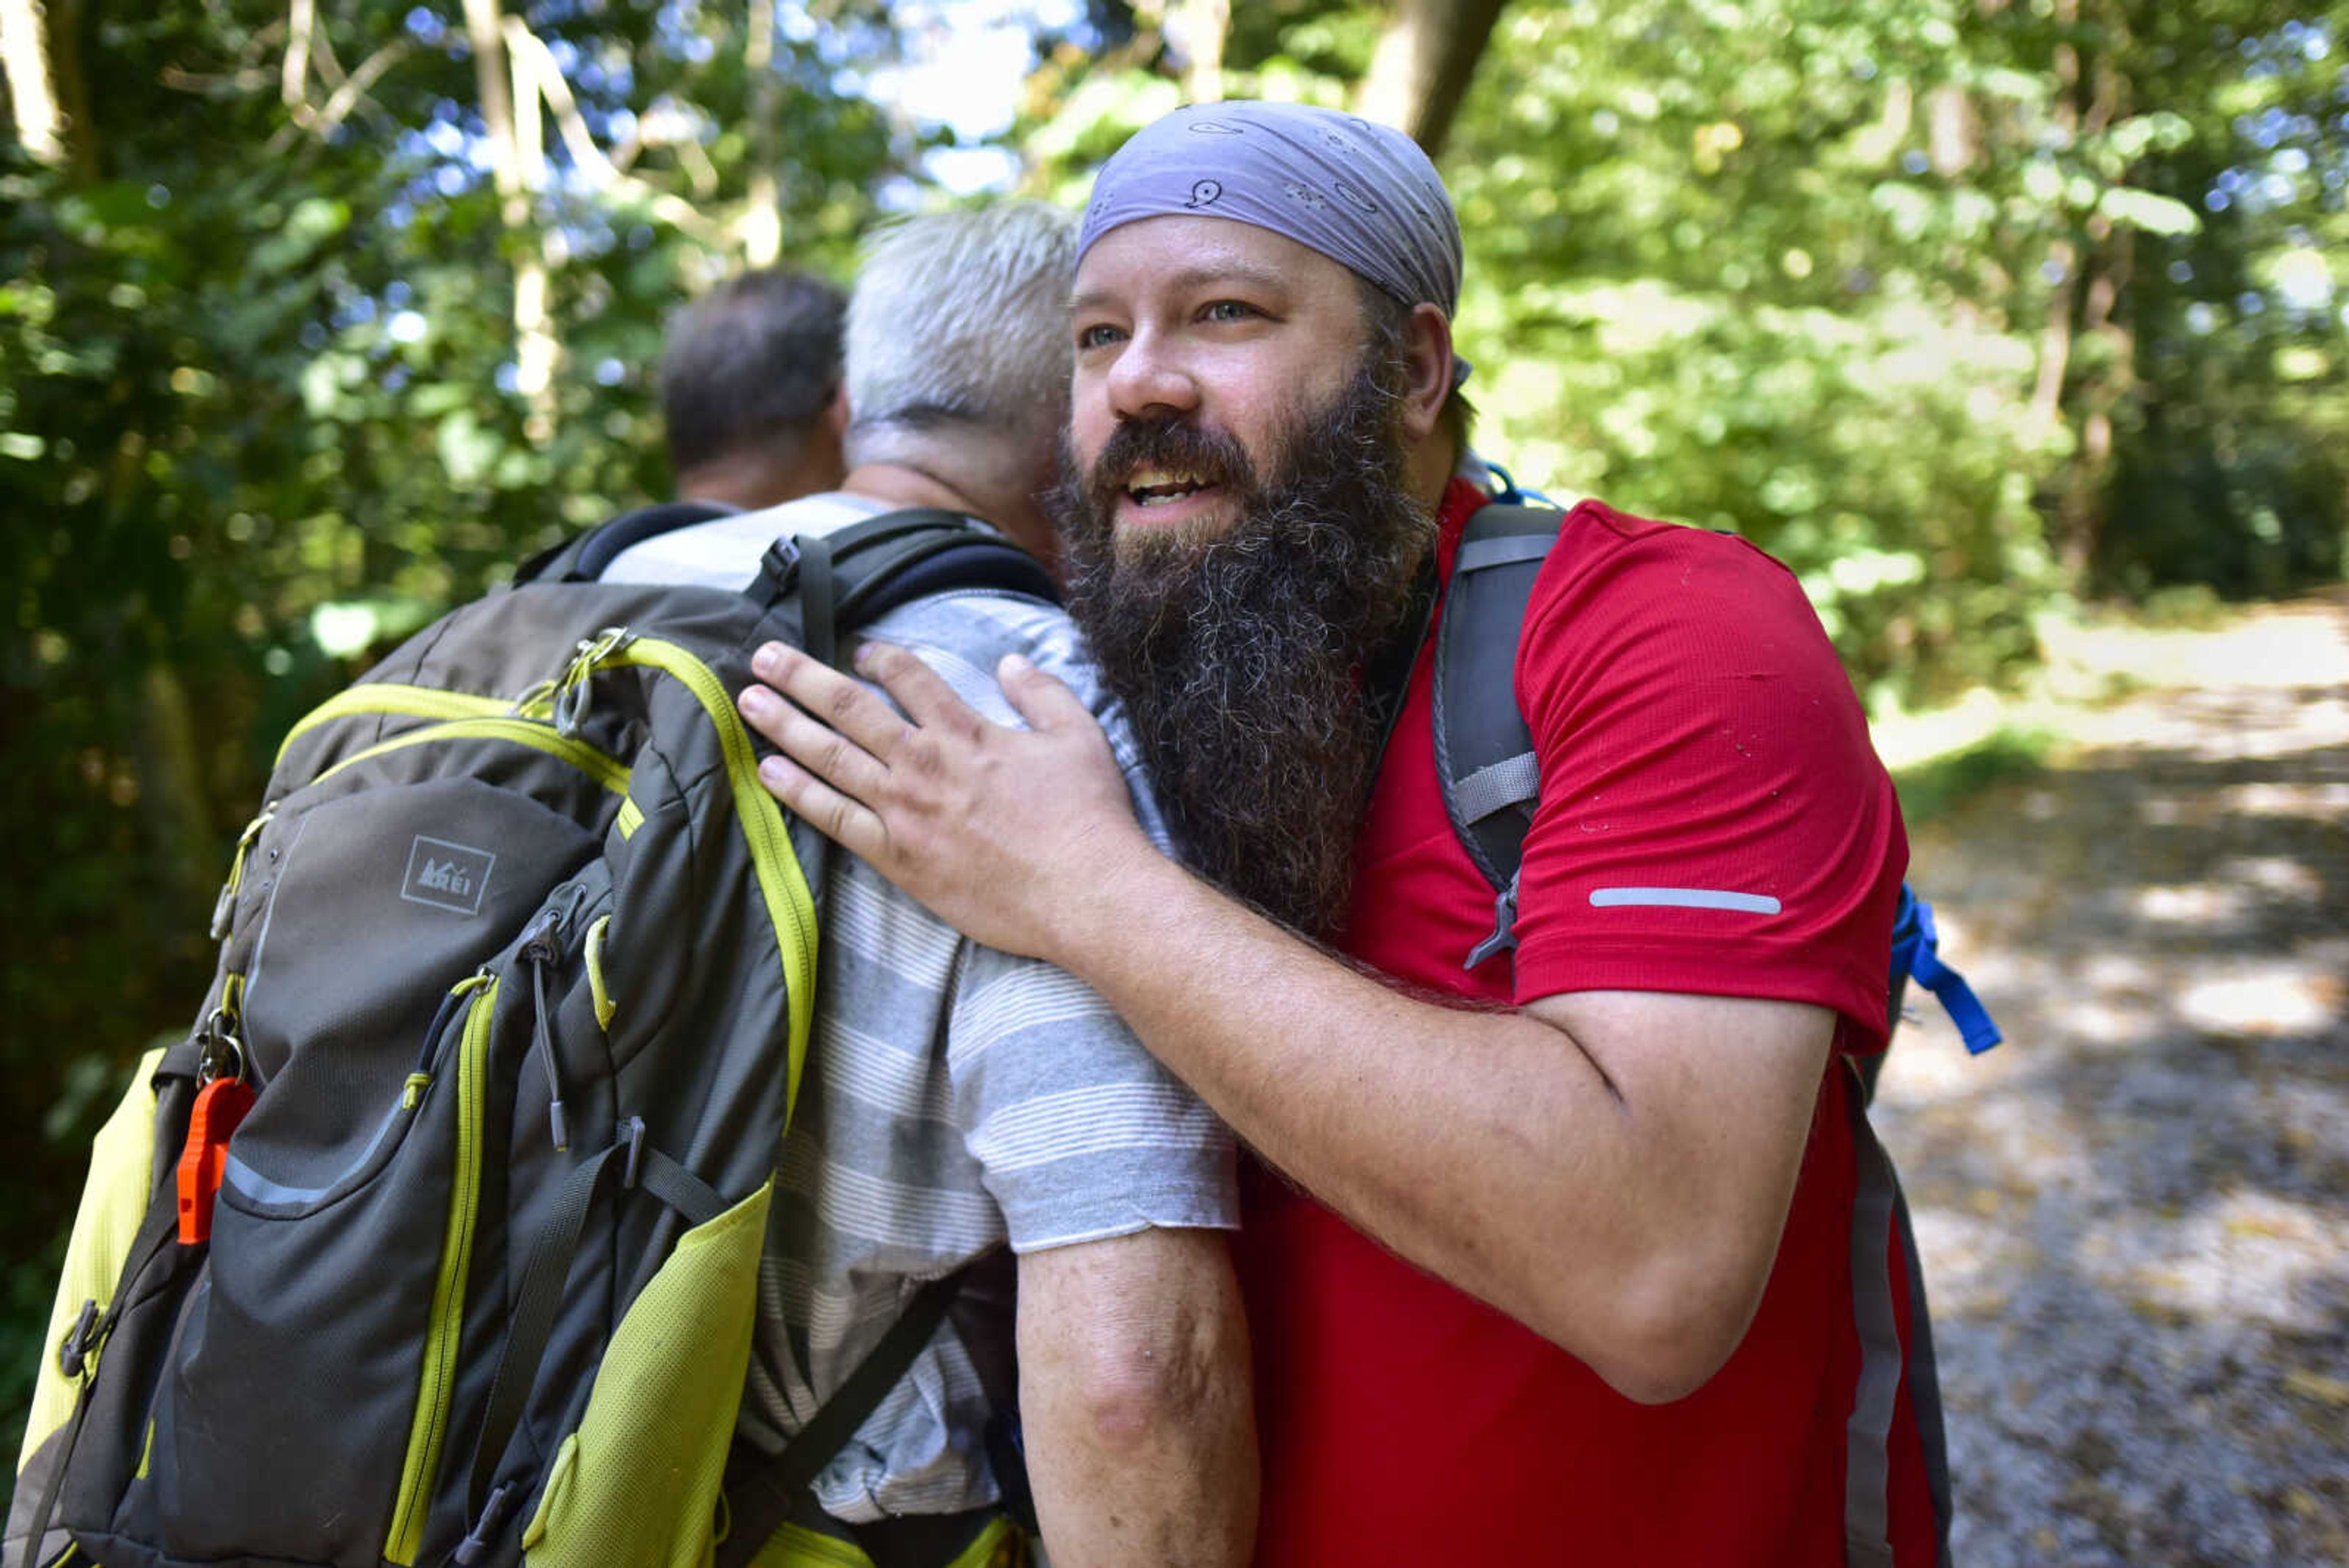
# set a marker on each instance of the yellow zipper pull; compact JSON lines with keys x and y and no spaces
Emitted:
{"x":225,"y":904}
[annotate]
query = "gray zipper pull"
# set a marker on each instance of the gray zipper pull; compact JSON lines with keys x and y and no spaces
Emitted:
{"x":541,"y":949}
{"x":1504,"y":936}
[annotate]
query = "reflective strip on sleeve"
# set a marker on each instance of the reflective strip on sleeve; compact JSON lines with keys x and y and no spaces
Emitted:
{"x":1682,"y":899}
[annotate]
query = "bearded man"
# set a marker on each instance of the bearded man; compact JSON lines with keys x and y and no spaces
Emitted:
{"x":1567,"y":1257}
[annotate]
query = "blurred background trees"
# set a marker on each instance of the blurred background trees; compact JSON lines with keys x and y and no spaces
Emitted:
{"x":317,"y":314}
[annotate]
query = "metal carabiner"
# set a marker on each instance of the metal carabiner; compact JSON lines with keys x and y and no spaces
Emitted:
{"x":574,"y":685}
{"x":224,"y":1052}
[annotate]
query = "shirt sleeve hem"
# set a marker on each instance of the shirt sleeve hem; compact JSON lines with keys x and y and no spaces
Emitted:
{"x":1205,"y":1213}
{"x":1593,"y":966}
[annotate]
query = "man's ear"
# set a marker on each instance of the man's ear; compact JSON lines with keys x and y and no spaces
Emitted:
{"x":836,"y":412}
{"x":1427,"y":370}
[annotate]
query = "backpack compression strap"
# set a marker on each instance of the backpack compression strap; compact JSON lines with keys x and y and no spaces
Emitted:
{"x":760,"y":1490}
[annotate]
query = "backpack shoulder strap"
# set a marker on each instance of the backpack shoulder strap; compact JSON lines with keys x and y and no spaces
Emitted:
{"x":1483,"y":751}
{"x":852,"y":576}
{"x":583,"y":557}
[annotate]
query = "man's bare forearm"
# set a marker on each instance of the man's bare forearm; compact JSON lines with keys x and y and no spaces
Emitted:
{"x":1566,"y":1162}
{"x":1135,"y":1398}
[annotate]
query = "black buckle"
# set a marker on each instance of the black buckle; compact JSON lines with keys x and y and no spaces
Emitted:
{"x":494,"y":1514}
{"x":633,"y":1129}
{"x":73,"y":1352}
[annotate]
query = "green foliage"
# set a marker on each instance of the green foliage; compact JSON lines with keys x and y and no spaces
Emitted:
{"x":1958,"y":308}
{"x":1931,"y":789}
{"x":259,"y":415}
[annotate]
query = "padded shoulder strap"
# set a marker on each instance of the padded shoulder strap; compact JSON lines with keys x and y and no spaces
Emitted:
{"x":582,"y":559}
{"x":1484,"y":753}
{"x":854,"y":576}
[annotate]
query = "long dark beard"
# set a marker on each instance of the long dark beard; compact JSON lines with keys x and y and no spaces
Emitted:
{"x":1240,"y":657}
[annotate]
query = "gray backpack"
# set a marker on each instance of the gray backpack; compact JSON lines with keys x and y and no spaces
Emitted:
{"x":438,"y":1238}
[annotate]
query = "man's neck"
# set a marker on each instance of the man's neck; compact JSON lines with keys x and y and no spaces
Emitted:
{"x":905,"y":484}
{"x":1428,"y":470}
{"x":983,"y":472}
{"x":755,"y":481}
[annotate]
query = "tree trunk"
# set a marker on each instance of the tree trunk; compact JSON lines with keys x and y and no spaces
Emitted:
{"x":40,"y":55}
{"x":763,"y":215}
{"x":517,"y":164}
{"x":1205,"y":25}
{"x":173,"y":808}
{"x":2107,"y":257}
{"x":1424,"y":61}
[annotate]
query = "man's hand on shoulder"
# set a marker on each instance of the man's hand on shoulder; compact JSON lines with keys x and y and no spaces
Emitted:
{"x":1005,"y":833}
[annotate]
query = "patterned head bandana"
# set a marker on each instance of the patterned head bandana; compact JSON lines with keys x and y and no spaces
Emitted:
{"x":1360,"y":193}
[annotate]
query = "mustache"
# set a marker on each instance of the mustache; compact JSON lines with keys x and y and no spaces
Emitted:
{"x":1238,"y":651}
{"x":1176,"y":442}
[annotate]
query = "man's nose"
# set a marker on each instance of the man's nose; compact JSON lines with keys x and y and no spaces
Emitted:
{"x":1151,"y":379}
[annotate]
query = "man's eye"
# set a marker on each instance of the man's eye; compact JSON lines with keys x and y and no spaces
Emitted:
{"x":1095,"y":337}
{"x":1229,"y":310}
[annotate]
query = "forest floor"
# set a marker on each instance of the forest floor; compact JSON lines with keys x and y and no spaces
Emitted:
{"x":2135,"y":1213}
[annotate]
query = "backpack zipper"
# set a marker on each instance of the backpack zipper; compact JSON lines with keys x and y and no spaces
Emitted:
{"x":790,"y":907}
{"x":782,"y":883}
{"x":542,"y":950}
{"x":429,"y":1427}
{"x":373,"y":696}
{"x":536,"y":734}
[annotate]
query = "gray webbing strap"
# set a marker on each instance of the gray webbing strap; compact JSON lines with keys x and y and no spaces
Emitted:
{"x":539,"y":1299}
{"x":1868,"y":1467}
{"x":1496,"y":786}
{"x":760,"y":1491}
{"x":1502,"y":549}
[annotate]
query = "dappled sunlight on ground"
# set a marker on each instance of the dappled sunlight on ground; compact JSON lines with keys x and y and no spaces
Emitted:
{"x":2135,"y":1215}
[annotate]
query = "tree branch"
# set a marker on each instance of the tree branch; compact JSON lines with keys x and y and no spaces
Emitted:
{"x":344,"y":99}
{"x":546,"y":82}
{"x":761,"y":223}
{"x":294,"y":86}
{"x":1205,"y":25}
{"x":32,"y":90}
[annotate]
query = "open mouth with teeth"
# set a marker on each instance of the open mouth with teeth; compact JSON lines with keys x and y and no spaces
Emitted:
{"x":1161,"y":489}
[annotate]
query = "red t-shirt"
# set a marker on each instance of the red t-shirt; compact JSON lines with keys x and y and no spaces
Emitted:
{"x":1695,"y":731}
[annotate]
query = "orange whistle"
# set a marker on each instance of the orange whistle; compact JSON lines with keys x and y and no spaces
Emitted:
{"x":220,"y":1105}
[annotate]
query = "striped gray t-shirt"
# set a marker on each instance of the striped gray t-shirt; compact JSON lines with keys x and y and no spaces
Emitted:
{"x":955,"y":1098}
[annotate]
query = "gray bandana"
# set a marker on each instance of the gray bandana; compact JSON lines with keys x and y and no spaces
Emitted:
{"x":1360,"y":193}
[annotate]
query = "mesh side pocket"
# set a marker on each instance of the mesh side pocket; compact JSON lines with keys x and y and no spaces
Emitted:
{"x":638,"y":1481}
{"x":113,"y":1202}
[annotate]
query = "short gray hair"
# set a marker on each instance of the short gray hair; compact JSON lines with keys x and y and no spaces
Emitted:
{"x":963,"y":316}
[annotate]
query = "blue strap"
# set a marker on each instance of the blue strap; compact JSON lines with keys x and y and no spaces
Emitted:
{"x":1916,"y":948}
{"x":1509,"y":494}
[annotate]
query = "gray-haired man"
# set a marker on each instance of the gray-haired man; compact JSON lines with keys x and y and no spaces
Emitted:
{"x":957,"y":1096}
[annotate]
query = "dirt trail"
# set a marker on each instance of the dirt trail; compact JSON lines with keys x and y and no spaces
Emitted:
{"x":2135,"y":1215}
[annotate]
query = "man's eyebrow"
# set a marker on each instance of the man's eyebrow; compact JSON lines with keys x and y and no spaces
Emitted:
{"x":1193,"y":280}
